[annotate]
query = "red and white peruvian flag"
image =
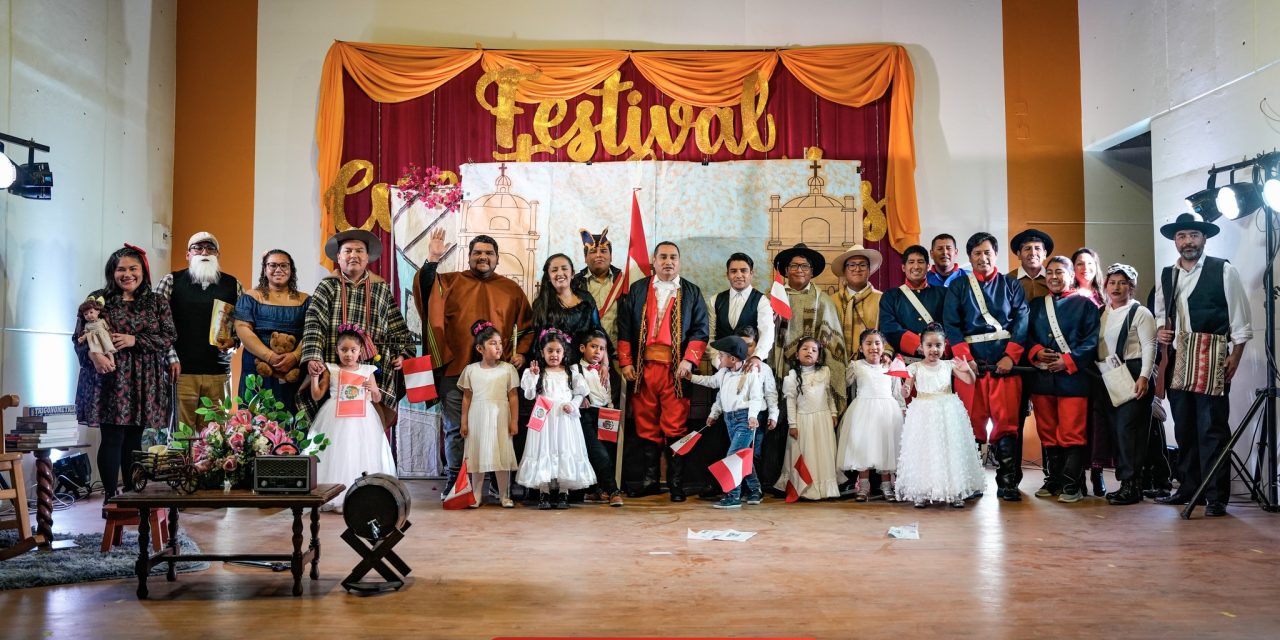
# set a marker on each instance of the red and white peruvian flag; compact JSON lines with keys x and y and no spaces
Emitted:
{"x":778,"y":298}
{"x":685,"y":445}
{"x":541,"y":410}
{"x":898,"y":369}
{"x":731,"y":470}
{"x":607,"y":424}
{"x":460,"y":496}
{"x":798,"y":480}
{"x":419,"y":379}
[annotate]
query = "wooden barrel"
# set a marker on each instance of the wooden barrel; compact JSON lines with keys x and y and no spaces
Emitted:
{"x":375,"y":497}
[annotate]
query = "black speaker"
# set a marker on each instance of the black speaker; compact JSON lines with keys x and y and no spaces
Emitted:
{"x":284,"y":474}
{"x":74,"y":475}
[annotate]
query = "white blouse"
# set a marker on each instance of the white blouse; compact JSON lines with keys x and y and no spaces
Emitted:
{"x":1142,"y":335}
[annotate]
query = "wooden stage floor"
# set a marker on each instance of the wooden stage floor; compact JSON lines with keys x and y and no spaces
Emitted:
{"x":993,"y":570}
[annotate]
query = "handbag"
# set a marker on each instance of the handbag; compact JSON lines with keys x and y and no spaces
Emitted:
{"x":1200,"y":359}
{"x":1119,"y":380}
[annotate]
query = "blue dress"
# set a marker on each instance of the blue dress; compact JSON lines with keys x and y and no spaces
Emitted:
{"x":267,"y":319}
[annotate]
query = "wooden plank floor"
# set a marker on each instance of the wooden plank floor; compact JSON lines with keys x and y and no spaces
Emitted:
{"x":994,"y":570}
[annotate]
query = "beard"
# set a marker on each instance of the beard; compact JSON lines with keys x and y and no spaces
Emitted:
{"x":204,"y":270}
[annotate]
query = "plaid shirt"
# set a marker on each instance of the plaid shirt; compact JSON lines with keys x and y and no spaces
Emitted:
{"x":386,"y":326}
{"x":165,"y":288}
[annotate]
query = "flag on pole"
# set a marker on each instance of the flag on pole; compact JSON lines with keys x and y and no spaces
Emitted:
{"x":731,"y":470}
{"x":778,"y":298}
{"x":419,"y":379}
{"x":685,"y":445}
{"x":607,"y":424}
{"x":541,"y":409}
{"x":898,"y":369}
{"x":351,"y":394}
{"x":798,"y":480}
{"x":637,"y":264}
{"x":461,"y":495}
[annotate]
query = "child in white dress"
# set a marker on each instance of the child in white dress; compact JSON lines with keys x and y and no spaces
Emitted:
{"x":555,"y":457}
{"x":357,"y":443}
{"x":489,"y":410}
{"x":938,"y":461}
{"x":872,"y":425}
{"x":811,"y":415}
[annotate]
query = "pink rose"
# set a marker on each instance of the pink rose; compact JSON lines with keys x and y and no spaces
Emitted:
{"x":236,"y":442}
{"x":243,"y":417}
{"x":259,"y":419}
{"x":229,"y":464}
{"x":204,"y":466}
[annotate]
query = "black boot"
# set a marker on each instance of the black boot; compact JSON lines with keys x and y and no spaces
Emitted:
{"x":651,"y":458}
{"x":675,"y":478}
{"x":544,"y":500}
{"x":1052,"y":463}
{"x":1073,"y":471}
{"x":1099,"y":487}
{"x":1129,"y":493}
{"x":1007,"y":459}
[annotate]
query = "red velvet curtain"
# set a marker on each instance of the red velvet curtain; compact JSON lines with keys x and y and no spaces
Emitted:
{"x":447,"y":128}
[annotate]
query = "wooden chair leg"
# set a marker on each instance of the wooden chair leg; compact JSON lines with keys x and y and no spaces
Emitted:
{"x":20,"y":502}
{"x":107,"y":532}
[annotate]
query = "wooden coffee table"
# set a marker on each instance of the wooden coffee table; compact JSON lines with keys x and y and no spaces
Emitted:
{"x":162,"y":497}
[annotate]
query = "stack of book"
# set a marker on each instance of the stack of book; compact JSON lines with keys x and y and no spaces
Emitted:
{"x":44,"y":428}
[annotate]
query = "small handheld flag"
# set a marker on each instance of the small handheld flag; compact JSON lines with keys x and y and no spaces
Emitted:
{"x":731,"y":470}
{"x":778,"y":298}
{"x":541,"y":409}
{"x":461,"y":495}
{"x":607,"y":424}
{"x":419,"y":379}
{"x":898,"y":369}
{"x":685,"y":445}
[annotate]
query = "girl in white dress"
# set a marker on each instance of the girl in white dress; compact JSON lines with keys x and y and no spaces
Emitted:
{"x":489,"y":413}
{"x":555,"y":457}
{"x":357,"y":444}
{"x":872,"y":425}
{"x":938,"y":461}
{"x":811,"y":414}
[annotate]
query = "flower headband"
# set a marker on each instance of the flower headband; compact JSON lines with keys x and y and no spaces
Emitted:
{"x":480,"y":326}
{"x":366,"y":344}
{"x":555,"y":332}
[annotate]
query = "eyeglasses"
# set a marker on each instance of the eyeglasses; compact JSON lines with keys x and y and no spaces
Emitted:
{"x":857,"y":266}
{"x":203,"y":247}
{"x":800,"y":267}
{"x":278,"y":266}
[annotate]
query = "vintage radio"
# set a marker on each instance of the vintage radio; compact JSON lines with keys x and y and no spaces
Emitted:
{"x":284,"y":474}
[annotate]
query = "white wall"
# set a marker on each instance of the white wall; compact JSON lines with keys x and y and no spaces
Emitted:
{"x":956,"y":48}
{"x":1195,"y":73}
{"x":94,"y":80}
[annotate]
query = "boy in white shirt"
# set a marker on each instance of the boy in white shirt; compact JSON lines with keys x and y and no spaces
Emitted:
{"x":740,"y":400}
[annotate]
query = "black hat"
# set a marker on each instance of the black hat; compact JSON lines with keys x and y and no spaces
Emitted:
{"x":371,"y":243}
{"x":815,"y":259}
{"x":1032,"y":235}
{"x":732,"y":345}
{"x":1186,"y":221}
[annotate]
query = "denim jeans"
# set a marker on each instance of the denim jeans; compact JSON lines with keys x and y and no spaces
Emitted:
{"x":741,"y":437}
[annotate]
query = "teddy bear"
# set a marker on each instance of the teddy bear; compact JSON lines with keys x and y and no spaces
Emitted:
{"x":280,"y":343}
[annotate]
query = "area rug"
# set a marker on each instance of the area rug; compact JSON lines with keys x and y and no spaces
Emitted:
{"x":84,"y":563}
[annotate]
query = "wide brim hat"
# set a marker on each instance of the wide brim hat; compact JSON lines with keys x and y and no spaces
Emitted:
{"x":1031,"y":235}
{"x":1189,"y":221}
{"x":371,"y":242}
{"x":784,"y":257}
{"x":872,"y":256}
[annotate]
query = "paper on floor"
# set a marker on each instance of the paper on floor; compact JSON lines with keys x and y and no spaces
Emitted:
{"x":719,"y":534}
{"x":906,"y":532}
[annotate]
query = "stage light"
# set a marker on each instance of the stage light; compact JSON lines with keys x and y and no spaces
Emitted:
{"x":8,"y":172}
{"x":1202,"y":203}
{"x":1271,"y":193}
{"x":1238,"y":199}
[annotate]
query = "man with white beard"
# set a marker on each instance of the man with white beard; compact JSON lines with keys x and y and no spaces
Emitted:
{"x":200,"y":367}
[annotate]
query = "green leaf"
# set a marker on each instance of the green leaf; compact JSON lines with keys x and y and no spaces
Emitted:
{"x":206,"y":401}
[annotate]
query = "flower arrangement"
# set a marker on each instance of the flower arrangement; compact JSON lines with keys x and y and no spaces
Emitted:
{"x":432,"y":187}
{"x":225,"y":448}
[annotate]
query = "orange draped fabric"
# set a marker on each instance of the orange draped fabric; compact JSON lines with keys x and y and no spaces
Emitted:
{"x":849,"y":75}
{"x":855,"y":76}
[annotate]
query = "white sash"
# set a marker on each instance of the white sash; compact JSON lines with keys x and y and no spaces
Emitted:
{"x":1000,"y":333}
{"x":1051,"y":311}
{"x":915,"y":302}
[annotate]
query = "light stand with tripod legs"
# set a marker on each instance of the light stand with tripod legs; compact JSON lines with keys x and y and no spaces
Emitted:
{"x":1242,"y":199}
